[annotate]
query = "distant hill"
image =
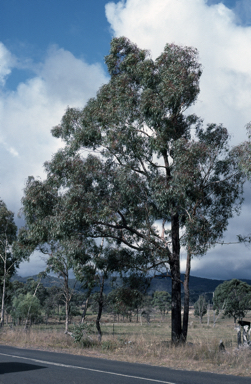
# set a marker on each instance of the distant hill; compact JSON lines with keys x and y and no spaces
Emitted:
{"x":198,"y":285}
{"x":50,"y":281}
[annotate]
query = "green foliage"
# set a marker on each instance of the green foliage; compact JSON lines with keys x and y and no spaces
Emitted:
{"x":74,"y":310}
{"x":243,"y":152}
{"x":8,"y":235}
{"x":11,"y":254}
{"x":94,"y":301}
{"x":233,"y":297}
{"x":81,"y":334}
{"x":53,"y":300}
{"x":200,"y":307}
{"x":162,"y":301}
{"x":26,"y":306}
{"x":124,"y":300}
{"x":8,"y":228}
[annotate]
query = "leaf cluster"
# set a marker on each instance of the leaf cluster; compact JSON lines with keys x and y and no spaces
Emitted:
{"x":234,"y":297}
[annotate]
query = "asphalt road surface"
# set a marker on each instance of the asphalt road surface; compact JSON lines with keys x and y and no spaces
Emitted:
{"x":24,"y":366}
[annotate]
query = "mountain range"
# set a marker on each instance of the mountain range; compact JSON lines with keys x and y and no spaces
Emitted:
{"x":160,"y":282}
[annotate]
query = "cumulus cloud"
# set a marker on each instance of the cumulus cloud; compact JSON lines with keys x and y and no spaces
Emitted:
{"x":224,"y":51}
{"x":7,"y":61}
{"x":28,"y":113}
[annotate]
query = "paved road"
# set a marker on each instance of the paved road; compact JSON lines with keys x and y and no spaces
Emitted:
{"x":24,"y":366}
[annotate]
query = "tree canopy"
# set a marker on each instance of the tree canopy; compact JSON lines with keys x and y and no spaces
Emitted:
{"x":11,"y":254}
{"x":139,"y":171}
{"x":234,"y":297}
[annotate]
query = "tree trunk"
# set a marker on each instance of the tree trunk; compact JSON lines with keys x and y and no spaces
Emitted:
{"x":176,"y":286}
{"x":84,"y":310}
{"x":208,"y":313}
{"x":100,"y":308}
{"x":28,"y":314}
{"x":67,"y":302}
{"x":3,"y":298}
{"x":186,"y":297}
{"x":66,"y":316}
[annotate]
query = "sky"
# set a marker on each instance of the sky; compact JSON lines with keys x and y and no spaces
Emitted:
{"x":52,"y":56}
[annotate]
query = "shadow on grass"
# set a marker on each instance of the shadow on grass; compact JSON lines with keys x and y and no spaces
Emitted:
{"x":17,"y":367}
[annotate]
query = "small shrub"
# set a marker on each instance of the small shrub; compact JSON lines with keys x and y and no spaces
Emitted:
{"x":81,"y":334}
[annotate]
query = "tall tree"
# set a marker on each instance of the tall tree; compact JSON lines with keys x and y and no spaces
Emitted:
{"x":147,"y":188}
{"x":134,"y":121}
{"x":60,"y":262}
{"x":9,"y":259}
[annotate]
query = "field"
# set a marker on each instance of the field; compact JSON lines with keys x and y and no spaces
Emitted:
{"x":145,"y":343}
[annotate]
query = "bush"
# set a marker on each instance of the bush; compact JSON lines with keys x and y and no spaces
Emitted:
{"x":26,"y":307}
{"x":81,"y":334}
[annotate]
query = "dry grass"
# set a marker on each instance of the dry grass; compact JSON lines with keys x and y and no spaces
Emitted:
{"x":149,"y":344}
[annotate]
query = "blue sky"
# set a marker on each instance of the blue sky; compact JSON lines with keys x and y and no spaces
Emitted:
{"x":28,"y":28}
{"x":52,"y":55}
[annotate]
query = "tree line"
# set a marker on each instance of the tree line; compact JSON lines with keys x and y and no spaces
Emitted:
{"x":32,"y":303}
{"x":138,"y":179}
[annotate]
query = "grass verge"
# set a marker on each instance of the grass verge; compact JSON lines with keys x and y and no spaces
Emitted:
{"x":148,"y":344}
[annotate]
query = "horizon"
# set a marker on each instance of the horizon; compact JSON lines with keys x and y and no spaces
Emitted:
{"x":156,"y":276}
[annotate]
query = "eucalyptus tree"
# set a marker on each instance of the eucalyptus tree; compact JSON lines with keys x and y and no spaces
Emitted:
{"x":162,"y":301}
{"x":10,"y":253}
{"x":50,"y":232}
{"x":60,"y":263}
{"x":146,"y":186}
{"x":210,"y":184}
{"x":234,"y":298}
{"x":244,"y":153}
{"x":92,"y":273}
{"x":200,"y":307}
{"x":26,"y":307}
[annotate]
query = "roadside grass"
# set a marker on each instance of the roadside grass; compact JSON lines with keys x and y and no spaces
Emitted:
{"x":145,"y":343}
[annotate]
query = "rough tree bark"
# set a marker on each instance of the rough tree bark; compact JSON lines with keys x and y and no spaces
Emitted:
{"x":176,"y":282}
{"x":100,"y":308}
{"x":84,"y":310}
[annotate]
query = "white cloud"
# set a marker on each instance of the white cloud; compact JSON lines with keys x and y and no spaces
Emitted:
{"x":7,"y":61}
{"x":8,"y":148}
{"x":28,"y":114}
{"x":68,"y":79}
